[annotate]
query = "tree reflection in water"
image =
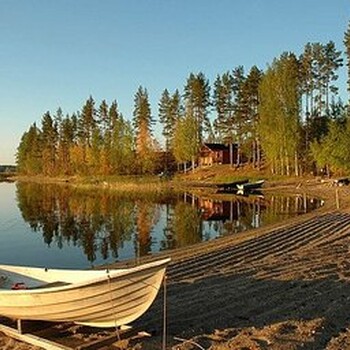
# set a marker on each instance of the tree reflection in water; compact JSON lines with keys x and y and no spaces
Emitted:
{"x":102,"y":222}
{"x":94,"y":221}
{"x":146,"y":215}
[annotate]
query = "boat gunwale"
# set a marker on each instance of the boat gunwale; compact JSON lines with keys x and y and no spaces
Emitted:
{"x":109,"y":273}
{"x":249,"y":185}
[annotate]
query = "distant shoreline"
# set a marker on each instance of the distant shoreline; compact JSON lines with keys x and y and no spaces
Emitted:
{"x":203,"y":180}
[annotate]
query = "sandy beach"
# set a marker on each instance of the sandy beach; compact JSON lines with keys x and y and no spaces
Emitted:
{"x":284,"y":286}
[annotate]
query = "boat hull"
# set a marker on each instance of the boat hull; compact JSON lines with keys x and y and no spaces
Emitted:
{"x":231,"y":185}
{"x":250,"y":185}
{"x":112,"y":300}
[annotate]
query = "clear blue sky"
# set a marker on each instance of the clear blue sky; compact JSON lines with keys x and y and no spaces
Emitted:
{"x":55,"y":53}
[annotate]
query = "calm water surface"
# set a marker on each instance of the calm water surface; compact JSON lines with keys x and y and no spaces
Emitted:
{"x":58,"y":226}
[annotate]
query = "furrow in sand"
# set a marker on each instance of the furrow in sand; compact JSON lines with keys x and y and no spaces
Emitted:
{"x":251,"y":251}
{"x":217,"y":256}
{"x":270,"y":237}
{"x":284,"y":275}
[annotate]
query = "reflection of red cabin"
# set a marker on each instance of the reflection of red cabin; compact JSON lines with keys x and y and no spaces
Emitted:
{"x":210,"y":208}
{"x":216,"y":153}
{"x":213,"y":210}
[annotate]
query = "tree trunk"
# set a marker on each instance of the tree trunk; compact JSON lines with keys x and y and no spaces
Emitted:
{"x":296,"y":164}
{"x":231,"y":154}
{"x":287,"y":163}
{"x":254,"y":153}
{"x":327,"y":99}
{"x":238,"y":155}
{"x":281,"y":163}
{"x":258,"y":153}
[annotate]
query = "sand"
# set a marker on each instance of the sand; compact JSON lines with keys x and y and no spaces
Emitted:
{"x":285,"y":286}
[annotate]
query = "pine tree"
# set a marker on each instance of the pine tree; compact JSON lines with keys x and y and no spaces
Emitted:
{"x":319,"y":64}
{"x":86,"y":125}
{"x":49,"y":144}
{"x":318,"y":72}
{"x":67,"y":132}
{"x":240,"y":109}
{"x":332,"y":62}
{"x":307,"y":85}
{"x":142,"y":122}
{"x":251,"y":98}
{"x":104,"y":123}
{"x":103,"y":117}
{"x":169,"y":111}
{"x":307,"y":78}
{"x":29,"y":155}
{"x":87,"y":122}
{"x":165,"y":116}
{"x":197,"y":101}
{"x":223,"y":103}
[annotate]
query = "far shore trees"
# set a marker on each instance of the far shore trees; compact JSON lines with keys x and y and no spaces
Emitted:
{"x":236,"y":100}
{"x":286,"y":118}
{"x":66,"y":146}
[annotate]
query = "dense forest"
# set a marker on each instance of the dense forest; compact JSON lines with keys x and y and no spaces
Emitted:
{"x":287,"y":118}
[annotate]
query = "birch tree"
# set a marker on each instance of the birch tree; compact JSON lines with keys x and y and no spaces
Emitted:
{"x":279,"y":124}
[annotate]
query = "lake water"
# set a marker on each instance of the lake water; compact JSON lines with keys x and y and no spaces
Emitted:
{"x":59,"y":226}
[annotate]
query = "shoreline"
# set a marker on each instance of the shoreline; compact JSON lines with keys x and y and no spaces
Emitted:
{"x":282,"y":286}
{"x":278,"y":287}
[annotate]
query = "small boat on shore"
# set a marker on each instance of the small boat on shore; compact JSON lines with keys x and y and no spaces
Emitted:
{"x":250,"y":185}
{"x":344,"y":181}
{"x":231,"y":186}
{"x":97,"y":298}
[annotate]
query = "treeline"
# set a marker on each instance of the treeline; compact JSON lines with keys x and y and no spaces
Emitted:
{"x":287,"y":117}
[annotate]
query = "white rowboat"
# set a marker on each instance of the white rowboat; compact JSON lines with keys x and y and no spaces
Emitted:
{"x":98,"y":298}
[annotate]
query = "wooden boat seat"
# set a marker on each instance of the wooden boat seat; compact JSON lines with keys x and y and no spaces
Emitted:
{"x":51,"y":285}
{"x":20,"y":285}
